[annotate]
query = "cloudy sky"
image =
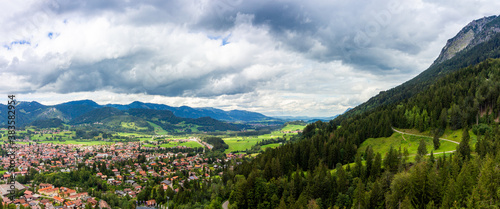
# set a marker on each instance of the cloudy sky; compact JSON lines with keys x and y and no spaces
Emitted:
{"x":314,"y":58}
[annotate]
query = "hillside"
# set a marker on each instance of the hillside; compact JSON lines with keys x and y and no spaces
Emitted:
{"x":96,"y":115}
{"x":47,"y":123}
{"x":168,"y":121}
{"x":326,"y":168}
{"x":483,"y":42}
{"x":465,"y":99}
{"x":113,"y":117}
{"x":76,"y":108}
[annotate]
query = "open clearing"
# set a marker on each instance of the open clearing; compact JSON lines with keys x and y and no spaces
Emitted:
{"x":241,"y":144}
{"x":383,"y":144}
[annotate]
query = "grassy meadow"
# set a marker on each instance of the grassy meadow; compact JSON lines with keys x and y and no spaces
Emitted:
{"x":396,"y":140}
{"x":244,"y":143}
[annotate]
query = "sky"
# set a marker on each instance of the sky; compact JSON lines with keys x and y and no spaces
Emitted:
{"x":296,"y":58}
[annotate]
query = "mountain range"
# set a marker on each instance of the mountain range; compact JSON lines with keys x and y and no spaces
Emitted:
{"x":309,"y":119}
{"x":71,"y":112}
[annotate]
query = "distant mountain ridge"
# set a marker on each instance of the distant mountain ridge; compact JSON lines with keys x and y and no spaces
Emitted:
{"x":28,"y":112}
{"x":310,"y":119}
{"x":189,"y":112}
{"x":114,"y":117}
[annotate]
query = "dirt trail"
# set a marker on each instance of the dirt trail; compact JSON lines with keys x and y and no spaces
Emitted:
{"x":443,"y":139}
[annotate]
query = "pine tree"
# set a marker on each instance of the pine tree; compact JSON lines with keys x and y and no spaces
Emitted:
{"x":357,"y":171}
{"x":359,"y":195}
{"x":422,"y":148}
{"x":436,"y":141}
{"x":443,"y":119}
{"x":481,"y":146}
{"x":342,"y":181}
{"x":464,"y":147}
{"x":369,"y":161}
{"x":282,"y":204}
{"x":391,"y":161}
{"x":488,"y":183}
{"x":377,"y":163}
{"x":431,"y":158}
{"x":376,"y":198}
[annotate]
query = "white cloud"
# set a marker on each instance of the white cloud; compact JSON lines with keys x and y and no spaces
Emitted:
{"x":291,"y":58}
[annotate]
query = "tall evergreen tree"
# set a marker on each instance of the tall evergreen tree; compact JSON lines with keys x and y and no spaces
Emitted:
{"x":421,"y":150}
{"x":436,"y":141}
{"x":464,"y":147}
{"x":422,"y":147}
{"x":359,"y":195}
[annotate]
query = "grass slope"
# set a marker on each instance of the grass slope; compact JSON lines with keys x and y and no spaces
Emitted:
{"x":383,"y":144}
{"x":158,"y":129}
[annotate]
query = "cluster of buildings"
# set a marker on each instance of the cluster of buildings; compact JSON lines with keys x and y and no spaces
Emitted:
{"x":126,"y":179}
{"x":49,"y":197}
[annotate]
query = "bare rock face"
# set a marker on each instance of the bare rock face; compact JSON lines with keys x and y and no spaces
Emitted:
{"x":476,"y":32}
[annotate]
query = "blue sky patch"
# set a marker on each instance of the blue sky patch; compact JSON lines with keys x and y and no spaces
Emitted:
{"x":21,"y":42}
{"x":225,"y":40}
{"x":213,"y":37}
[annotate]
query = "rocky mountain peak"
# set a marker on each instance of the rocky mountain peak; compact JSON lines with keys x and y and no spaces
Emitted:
{"x":474,"y":33}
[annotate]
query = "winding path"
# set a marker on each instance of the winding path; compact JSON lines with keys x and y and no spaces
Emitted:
{"x":402,"y":134}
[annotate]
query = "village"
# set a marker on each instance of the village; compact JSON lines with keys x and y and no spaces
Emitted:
{"x":123,"y":168}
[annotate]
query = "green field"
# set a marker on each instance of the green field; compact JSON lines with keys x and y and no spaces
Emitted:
{"x":76,"y":142}
{"x":240,"y":143}
{"x":270,"y":146}
{"x":290,"y":127}
{"x":453,"y":135}
{"x":158,"y":130}
{"x":131,"y":125}
{"x":244,"y":143}
{"x":191,"y":144}
{"x":67,"y":135}
{"x":383,"y":144}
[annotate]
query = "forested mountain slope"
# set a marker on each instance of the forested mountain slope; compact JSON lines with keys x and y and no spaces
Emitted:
{"x":478,"y":41}
{"x":297,"y":175}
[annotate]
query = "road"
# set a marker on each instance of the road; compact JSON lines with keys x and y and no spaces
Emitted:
{"x":427,"y":137}
{"x":225,"y":205}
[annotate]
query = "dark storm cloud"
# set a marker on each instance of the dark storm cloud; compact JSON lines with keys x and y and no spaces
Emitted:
{"x":346,"y":30}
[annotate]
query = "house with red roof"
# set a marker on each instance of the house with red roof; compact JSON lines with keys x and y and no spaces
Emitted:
{"x":58,"y":199}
